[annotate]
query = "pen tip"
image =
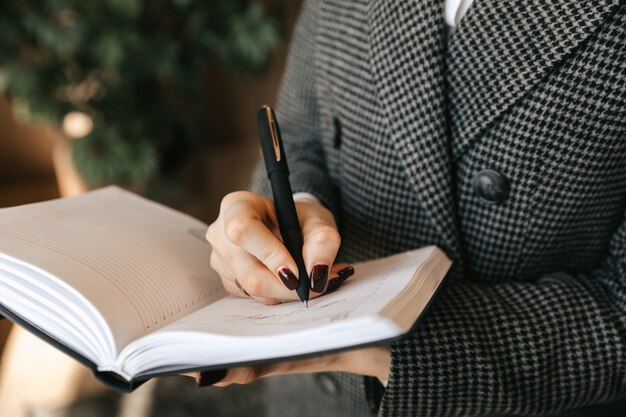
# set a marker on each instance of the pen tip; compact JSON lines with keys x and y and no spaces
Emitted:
{"x":306,"y":303}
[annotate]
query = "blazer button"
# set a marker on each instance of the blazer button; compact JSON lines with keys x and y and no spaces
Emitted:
{"x":327,"y":383}
{"x":491,"y":186}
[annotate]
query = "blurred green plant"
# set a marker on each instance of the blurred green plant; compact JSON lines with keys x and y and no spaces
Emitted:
{"x":137,"y":68}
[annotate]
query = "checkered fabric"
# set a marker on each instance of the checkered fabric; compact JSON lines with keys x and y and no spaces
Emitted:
{"x":387,"y":118}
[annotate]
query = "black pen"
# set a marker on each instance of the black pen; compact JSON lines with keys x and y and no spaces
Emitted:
{"x":278,"y":173}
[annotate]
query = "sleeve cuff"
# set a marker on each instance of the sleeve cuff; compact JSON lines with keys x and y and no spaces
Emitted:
{"x":304,"y":196}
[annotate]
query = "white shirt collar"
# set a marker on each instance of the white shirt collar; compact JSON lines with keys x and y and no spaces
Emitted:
{"x":455,"y":10}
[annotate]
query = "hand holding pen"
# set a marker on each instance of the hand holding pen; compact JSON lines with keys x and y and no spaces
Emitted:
{"x":251,"y":259}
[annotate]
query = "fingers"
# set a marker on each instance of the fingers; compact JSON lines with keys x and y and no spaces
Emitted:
{"x":372,"y":361}
{"x":244,"y":375}
{"x":249,"y":374}
{"x":246,"y":277}
{"x":244,"y":227}
{"x":321,"y":242}
{"x":258,"y":281}
{"x":339,"y":273}
{"x":251,"y":259}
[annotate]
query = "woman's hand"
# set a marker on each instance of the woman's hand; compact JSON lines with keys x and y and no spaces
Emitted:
{"x":251,"y":259}
{"x":375,"y":361}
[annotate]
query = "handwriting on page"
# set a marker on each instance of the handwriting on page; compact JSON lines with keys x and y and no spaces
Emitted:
{"x":372,"y":286}
{"x":296,"y":316}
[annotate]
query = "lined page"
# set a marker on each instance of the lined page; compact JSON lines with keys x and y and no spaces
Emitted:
{"x":235,"y":330}
{"x":375,"y":284}
{"x":141,"y":265}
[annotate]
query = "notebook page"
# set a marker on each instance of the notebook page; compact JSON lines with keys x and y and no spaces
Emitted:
{"x":140,"y":264}
{"x":374,"y":286}
{"x":235,"y":329}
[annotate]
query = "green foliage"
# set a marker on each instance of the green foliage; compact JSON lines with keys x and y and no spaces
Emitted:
{"x":108,"y":158}
{"x":137,"y":67}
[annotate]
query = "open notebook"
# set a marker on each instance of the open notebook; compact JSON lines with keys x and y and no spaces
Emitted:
{"x":124,"y":285}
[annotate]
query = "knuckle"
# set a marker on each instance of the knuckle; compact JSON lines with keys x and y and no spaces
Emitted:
{"x":236,"y":229}
{"x":233,"y":197}
{"x":237,"y":197}
{"x":324,"y":235}
{"x":273,"y":257}
{"x":227,"y":201}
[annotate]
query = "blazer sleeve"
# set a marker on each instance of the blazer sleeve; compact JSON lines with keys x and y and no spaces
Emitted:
{"x":517,"y":348}
{"x":299,"y":118}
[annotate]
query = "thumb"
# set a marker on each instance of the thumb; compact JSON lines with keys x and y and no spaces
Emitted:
{"x":321,"y":241}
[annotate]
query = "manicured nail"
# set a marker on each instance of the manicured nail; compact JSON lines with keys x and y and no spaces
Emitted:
{"x":288,"y":278}
{"x":208,"y":378}
{"x":333,"y":284}
{"x":319,"y":277}
{"x":338,"y":281}
{"x":346,"y":273}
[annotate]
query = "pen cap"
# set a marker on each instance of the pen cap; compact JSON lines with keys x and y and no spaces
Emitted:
{"x":271,"y":141}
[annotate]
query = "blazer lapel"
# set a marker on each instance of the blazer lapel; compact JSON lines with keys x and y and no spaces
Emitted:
{"x":502,"y":49}
{"x":408,"y":44}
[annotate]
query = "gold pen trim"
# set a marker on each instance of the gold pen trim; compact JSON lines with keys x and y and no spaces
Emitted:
{"x":273,"y":132}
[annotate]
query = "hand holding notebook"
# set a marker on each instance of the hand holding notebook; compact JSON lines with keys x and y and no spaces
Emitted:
{"x":124,"y":285}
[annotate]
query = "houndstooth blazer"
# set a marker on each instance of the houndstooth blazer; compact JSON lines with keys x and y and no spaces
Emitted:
{"x":389,"y":120}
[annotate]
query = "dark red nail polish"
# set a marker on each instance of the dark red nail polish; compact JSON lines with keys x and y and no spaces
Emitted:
{"x":288,"y":278}
{"x":333,"y":284}
{"x":336,"y":282}
{"x":319,"y":277}
{"x":208,"y":378}
{"x":346,"y":273}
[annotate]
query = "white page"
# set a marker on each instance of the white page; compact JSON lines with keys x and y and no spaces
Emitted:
{"x":374,"y":285}
{"x":141,"y":265}
{"x":20,"y":287}
{"x":243,"y":329}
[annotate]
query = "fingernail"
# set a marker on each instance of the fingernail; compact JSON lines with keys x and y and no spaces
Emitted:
{"x":346,"y":273}
{"x":319,"y":277}
{"x":337,"y":281}
{"x":208,"y":378}
{"x":288,"y":278}
{"x":333,"y":284}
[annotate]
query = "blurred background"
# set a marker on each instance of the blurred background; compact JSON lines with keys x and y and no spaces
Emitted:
{"x":157,"y":96}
